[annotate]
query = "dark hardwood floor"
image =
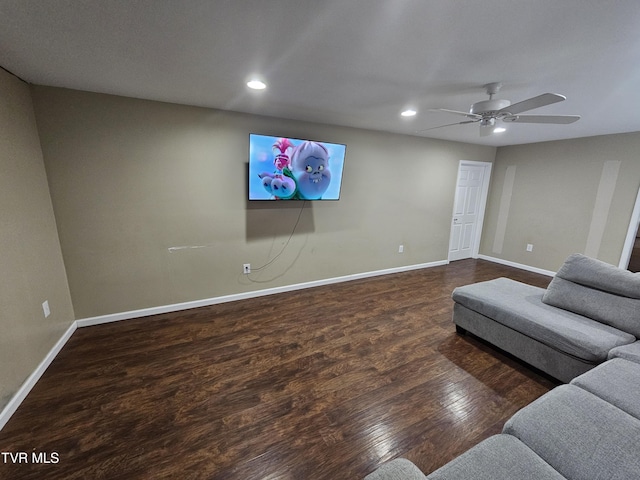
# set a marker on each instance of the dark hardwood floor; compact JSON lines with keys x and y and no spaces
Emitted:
{"x":324,"y":383}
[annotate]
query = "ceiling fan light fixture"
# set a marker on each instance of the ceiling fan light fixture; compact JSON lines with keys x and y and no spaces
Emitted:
{"x":409,"y":112}
{"x":488,"y":122}
{"x":499,"y":130}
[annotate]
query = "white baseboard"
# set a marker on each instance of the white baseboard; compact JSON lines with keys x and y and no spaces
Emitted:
{"x":521,"y":266}
{"x":176,"y":307}
{"x":11,"y":407}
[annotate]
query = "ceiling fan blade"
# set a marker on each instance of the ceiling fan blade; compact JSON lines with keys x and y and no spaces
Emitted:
{"x":555,"y":119}
{"x":534,"y":102}
{"x":456,"y":112}
{"x":448,"y":125}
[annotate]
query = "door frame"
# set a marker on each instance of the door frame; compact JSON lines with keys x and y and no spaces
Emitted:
{"x":486,"y":178}
{"x":625,"y":257}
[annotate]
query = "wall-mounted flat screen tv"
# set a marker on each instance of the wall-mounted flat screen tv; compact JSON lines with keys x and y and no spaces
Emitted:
{"x":282,"y":168}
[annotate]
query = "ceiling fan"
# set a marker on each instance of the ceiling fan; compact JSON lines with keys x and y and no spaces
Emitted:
{"x":487,"y":112}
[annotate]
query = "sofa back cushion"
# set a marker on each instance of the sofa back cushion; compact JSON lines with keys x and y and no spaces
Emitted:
{"x":597,"y":274}
{"x":599,"y":291}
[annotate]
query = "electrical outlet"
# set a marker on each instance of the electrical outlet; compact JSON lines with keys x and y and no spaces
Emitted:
{"x":246,"y":268}
{"x":46,"y":309}
{"x":401,"y":249}
{"x":529,"y":247}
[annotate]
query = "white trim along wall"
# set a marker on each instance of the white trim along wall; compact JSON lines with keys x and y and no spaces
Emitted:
{"x":11,"y":407}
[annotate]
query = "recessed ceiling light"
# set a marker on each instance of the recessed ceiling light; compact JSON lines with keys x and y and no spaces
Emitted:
{"x":410,"y":112}
{"x":256,"y":84}
{"x":499,"y":130}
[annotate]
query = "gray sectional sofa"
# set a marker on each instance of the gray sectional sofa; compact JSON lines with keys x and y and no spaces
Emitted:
{"x":583,"y":329}
{"x":588,"y":429}
{"x":588,"y":309}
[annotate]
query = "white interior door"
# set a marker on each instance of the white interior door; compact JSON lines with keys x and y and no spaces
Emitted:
{"x":468,"y":209}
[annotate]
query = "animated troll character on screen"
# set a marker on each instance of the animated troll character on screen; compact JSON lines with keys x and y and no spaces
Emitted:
{"x":305,"y":175}
{"x":310,"y":167}
{"x":280,"y":183}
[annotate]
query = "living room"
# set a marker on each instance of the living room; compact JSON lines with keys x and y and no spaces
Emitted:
{"x":119,"y":207}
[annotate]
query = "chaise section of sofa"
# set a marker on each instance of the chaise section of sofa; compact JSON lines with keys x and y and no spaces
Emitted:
{"x":512,"y":316}
{"x":589,"y":309}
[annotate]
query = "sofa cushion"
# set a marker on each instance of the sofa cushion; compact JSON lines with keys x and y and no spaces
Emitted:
{"x":629,"y":352}
{"x":398,"y":469}
{"x":597,"y":290}
{"x":519,"y":306}
{"x":579,"y":434}
{"x":619,"y":312}
{"x":617,"y":381}
{"x":599,"y":275}
{"x":501,"y":457}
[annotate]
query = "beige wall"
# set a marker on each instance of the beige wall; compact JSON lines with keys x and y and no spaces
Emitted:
{"x":31,"y":260}
{"x":130,"y":179}
{"x":568,"y":196}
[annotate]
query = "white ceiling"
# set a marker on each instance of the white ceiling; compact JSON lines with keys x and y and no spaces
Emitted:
{"x":344,"y":62}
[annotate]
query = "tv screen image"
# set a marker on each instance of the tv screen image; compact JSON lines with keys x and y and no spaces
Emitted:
{"x":282,"y":168}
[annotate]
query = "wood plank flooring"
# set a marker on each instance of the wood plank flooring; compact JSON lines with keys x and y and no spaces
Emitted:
{"x":324,"y":383}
